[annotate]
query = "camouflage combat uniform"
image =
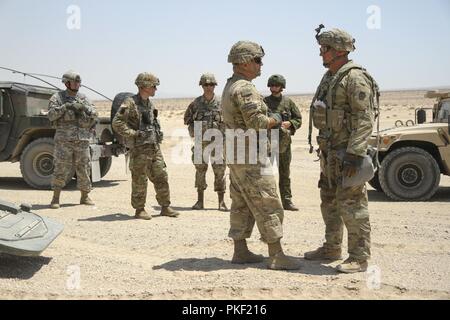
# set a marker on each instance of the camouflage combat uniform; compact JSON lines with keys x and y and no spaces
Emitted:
{"x":289,"y":112}
{"x":146,"y":158}
{"x":345,"y":122}
{"x":210,"y":114}
{"x":73,"y":132}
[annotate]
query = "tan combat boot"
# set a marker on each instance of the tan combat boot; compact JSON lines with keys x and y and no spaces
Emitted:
{"x":55,"y":200}
{"x":352,"y":266}
{"x":169,"y":212}
{"x":222,"y":205}
{"x":323,"y":253}
{"x":278,"y":260}
{"x":85,"y":199}
{"x":199,"y":204}
{"x":242,"y":255}
{"x":142,"y":214}
{"x":289,"y":206}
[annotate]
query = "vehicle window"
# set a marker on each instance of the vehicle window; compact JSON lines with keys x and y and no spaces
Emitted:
{"x":5,"y":106}
{"x":37,"y":104}
{"x":444,"y":112}
{"x":1,"y":103}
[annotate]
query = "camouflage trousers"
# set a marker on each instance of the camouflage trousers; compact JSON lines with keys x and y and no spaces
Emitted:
{"x":147,"y":162}
{"x":254,"y":198}
{"x":66,"y":156}
{"x":284,"y":170}
{"x":202,"y":168}
{"x":344,"y":206}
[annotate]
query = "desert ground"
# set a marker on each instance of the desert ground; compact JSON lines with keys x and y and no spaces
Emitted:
{"x":104,"y":253}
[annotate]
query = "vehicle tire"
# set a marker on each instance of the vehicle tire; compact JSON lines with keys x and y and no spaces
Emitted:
{"x":105,"y":165}
{"x":375,"y":182}
{"x":36,"y":163}
{"x":409,"y":174}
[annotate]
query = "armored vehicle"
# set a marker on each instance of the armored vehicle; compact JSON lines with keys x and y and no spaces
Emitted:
{"x":413,"y":157}
{"x":26,"y":135}
{"x":24,"y":233}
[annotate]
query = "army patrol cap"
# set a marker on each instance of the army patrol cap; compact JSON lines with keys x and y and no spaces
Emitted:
{"x":146,"y":80}
{"x":277,"y":80}
{"x":71,"y":76}
{"x":207,"y":78}
{"x":244,"y":52}
{"x":337,"y":39}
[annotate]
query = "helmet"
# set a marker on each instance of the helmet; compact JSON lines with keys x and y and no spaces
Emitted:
{"x":277,"y":80}
{"x":207,"y":78}
{"x":337,"y":39}
{"x":145,"y":80}
{"x":71,"y":76}
{"x":245,"y":51}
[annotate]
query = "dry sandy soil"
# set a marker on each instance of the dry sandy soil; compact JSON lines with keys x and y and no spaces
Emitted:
{"x":118,"y":257}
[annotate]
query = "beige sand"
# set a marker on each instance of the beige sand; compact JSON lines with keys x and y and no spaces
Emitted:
{"x":117,"y":257}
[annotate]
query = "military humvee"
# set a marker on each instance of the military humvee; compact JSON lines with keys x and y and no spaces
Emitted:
{"x":413,"y":157}
{"x":26,"y":135}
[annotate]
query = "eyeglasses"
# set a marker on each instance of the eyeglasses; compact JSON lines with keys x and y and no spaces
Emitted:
{"x":324,"y":49}
{"x":258,"y":60}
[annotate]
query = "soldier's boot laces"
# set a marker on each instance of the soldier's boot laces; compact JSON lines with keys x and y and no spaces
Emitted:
{"x":323,"y":253}
{"x":352,"y":266}
{"x":199,"y":205}
{"x":85,"y":199}
{"x":242,"y":255}
{"x":55,"y":200}
{"x":222,"y":205}
{"x":279,"y":261}
{"x":169,"y":212}
{"x":289,"y":206}
{"x":142,"y":214}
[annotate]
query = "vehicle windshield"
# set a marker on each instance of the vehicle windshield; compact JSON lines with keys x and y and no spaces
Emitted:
{"x":444,"y":112}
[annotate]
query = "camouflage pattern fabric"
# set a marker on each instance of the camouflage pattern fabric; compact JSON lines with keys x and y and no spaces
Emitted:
{"x":73,"y":132}
{"x":289,"y":112}
{"x":346,"y":125}
{"x":146,"y":158}
{"x":69,"y":154}
{"x":148,"y":162}
{"x":210,"y":113}
{"x":254,"y":196}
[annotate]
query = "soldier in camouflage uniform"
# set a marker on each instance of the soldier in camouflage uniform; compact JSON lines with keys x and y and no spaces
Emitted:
{"x":253,"y":194}
{"x":136,"y":120}
{"x":292,"y":120}
{"x":73,"y":116}
{"x":343,"y":111}
{"x":207,"y":109}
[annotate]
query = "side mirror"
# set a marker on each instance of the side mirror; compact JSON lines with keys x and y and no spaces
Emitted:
{"x":421,"y":116}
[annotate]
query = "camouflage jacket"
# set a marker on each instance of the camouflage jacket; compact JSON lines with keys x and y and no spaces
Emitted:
{"x":243,"y":108}
{"x":69,"y":125}
{"x":289,"y":112}
{"x":135,"y":115}
{"x":209,"y":112}
{"x":346,"y":119}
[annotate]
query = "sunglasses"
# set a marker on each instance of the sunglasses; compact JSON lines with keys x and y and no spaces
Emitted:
{"x":324,"y":49}
{"x":209,"y":85}
{"x":258,"y":60}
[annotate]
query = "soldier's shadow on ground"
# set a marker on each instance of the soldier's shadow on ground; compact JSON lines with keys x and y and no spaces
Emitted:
{"x":107,"y":183}
{"x":37,"y":207}
{"x":109,"y":218}
{"x":215,"y":264}
{"x":158,"y":209}
{"x":441,"y":195}
{"x":18,"y":183}
{"x":15,"y":267}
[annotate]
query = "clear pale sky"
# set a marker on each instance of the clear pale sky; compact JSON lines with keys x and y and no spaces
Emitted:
{"x":179,"y":40}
